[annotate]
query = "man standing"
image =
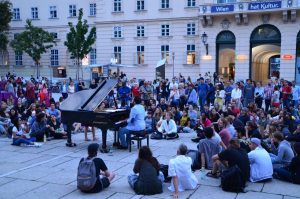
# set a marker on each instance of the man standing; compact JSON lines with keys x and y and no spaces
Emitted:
{"x":135,"y":123}
{"x":145,"y":91}
{"x":268,"y":92}
{"x":181,"y":172}
{"x":248,"y":93}
{"x":124,"y":94}
{"x":296,"y":94}
{"x":192,"y":95}
{"x":286,"y":94}
{"x":202,"y":92}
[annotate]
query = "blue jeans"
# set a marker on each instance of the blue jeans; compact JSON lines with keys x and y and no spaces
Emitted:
{"x":202,"y":100}
{"x":19,"y":141}
{"x":286,"y":103}
{"x":124,"y":141}
{"x":283,"y":174}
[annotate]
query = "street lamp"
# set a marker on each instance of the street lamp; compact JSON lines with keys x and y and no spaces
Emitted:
{"x":204,"y":41}
{"x":173,"y":58}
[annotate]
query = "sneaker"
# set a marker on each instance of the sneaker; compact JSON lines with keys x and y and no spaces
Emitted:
{"x":37,"y":144}
{"x":123,"y":147}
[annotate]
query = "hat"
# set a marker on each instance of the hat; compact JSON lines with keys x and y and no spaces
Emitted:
{"x":93,"y":148}
{"x":256,"y":141}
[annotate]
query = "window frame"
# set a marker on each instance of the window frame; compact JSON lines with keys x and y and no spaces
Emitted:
{"x":140,"y":52}
{"x":140,"y":31}
{"x":191,"y":54}
{"x":72,"y":10}
{"x":117,"y":31}
{"x":118,"y":54}
{"x":53,"y":11}
{"x":34,"y":13}
{"x":165,"y":52}
{"x":16,"y":15}
{"x":18,"y":58}
{"x":191,"y":29}
{"x":191,"y":3}
{"x":165,"y":30}
{"x":93,"y":9}
{"x":140,"y":5}
{"x":117,"y":5}
{"x":54,"y":58}
{"x":93,"y":56}
{"x":165,"y":4}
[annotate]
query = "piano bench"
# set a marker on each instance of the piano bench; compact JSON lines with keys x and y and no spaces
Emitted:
{"x":138,"y":136}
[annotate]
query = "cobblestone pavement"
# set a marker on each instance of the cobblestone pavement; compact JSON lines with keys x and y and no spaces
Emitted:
{"x":50,"y":172}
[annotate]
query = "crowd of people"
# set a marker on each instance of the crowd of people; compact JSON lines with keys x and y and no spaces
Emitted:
{"x":244,"y":125}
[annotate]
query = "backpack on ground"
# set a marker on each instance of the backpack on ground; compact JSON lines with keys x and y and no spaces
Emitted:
{"x":86,"y":175}
{"x":195,"y":155}
{"x":232,"y":180}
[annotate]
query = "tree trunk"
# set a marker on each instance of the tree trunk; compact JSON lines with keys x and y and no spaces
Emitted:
{"x":77,"y":71}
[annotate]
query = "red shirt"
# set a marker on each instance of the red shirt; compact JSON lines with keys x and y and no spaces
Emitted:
{"x":235,"y":111}
{"x":288,"y":90}
{"x":225,"y":136}
{"x":135,"y":91}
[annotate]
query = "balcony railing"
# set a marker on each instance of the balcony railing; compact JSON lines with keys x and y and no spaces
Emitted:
{"x":238,"y":6}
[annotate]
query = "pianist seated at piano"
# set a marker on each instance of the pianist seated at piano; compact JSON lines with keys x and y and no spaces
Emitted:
{"x":135,"y":123}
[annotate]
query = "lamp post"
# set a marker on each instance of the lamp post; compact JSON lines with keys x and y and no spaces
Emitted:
{"x":204,"y":41}
{"x":173,"y":58}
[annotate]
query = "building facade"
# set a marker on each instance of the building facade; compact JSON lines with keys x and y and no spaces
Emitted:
{"x":238,"y":39}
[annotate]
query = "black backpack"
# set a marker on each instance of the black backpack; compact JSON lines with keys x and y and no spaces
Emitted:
{"x":195,"y":155}
{"x":232,"y":180}
{"x":164,"y":169}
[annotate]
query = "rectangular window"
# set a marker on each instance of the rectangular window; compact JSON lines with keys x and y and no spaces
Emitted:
{"x":54,"y":34}
{"x":165,"y":4}
{"x":54,"y":58}
{"x":140,"y":54}
{"x":191,"y":29}
{"x":191,"y":54}
{"x":16,"y":14}
{"x":117,"y":5}
{"x":19,"y":58}
{"x":93,"y":56}
{"x":140,"y":31}
{"x":226,"y":1}
{"x":72,"y":11}
{"x":191,"y":3}
{"x":117,"y":32}
{"x":93,"y":10}
{"x":34,"y":13}
{"x":117,"y":54}
{"x":140,"y":5}
{"x":165,"y":30}
{"x":164,"y":49}
{"x":53,"y":12}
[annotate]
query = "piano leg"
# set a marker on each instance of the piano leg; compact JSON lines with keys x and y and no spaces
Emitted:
{"x":69,"y":136}
{"x":104,"y":137}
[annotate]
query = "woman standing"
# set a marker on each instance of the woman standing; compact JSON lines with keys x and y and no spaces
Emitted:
{"x":147,"y":179}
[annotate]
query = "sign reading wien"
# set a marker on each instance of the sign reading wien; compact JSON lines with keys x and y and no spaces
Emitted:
{"x":223,"y":8}
{"x":264,"y":5}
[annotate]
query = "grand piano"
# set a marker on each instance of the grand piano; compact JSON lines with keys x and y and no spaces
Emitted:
{"x":82,"y":107}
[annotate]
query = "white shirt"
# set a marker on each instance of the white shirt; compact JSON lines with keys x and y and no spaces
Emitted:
{"x":180,"y":166}
{"x":261,"y":167}
{"x":169,"y":127}
{"x":236,"y":94}
{"x":136,"y":120}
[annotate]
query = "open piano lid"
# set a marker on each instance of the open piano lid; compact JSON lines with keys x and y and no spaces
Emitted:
{"x":88,"y":100}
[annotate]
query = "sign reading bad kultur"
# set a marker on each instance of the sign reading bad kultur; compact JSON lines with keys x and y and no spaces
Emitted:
{"x":264,"y":5}
{"x":223,"y":8}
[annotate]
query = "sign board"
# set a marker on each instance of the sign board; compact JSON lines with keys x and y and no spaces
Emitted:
{"x":287,"y":56}
{"x":264,"y":5}
{"x":222,"y":8}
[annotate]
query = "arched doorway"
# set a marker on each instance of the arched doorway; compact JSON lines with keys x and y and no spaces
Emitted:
{"x":225,"y":56}
{"x":265,"y":43}
{"x":297,"y":77}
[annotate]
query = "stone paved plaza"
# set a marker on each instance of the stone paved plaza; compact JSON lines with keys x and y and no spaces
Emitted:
{"x":50,"y":172}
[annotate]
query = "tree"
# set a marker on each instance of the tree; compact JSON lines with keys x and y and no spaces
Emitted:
{"x":34,"y":41}
{"x":5,"y":18}
{"x":78,"y":44}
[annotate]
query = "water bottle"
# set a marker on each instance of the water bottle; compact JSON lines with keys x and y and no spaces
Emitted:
{"x":45,"y":138}
{"x":202,"y":174}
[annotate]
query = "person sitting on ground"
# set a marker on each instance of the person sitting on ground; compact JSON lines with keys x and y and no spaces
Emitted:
{"x":295,"y":137}
{"x":230,"y":157}
{"x":53,"y":111}
{"x":181,"y":172}
{"x":244,"y":141}
{"x":147,"y":180}
{"x":56,"y":129}
{"x":224,"y":133}
{"x":185,"y":123}
{"x":168,"y":127}
{"x":285,"y":152}
{"x":208,"y":147}
{"x":243,"y":116}
{"x":39,"y":128}
{"x":150,"y":122}
{"x":260,"y":162}
{"x":252,"y":130}
{"x":18,"y":134}
{"x":103,"y":175}
{"x":291,"y":173}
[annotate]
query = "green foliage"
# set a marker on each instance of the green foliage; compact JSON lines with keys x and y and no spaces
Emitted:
{"x":78,"y":44}
{"x":34,"y":41}
{"x":5,"y":18}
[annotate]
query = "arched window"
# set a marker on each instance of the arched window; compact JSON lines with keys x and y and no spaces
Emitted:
{"x":265,"y":34}
{"x":225,"y":37}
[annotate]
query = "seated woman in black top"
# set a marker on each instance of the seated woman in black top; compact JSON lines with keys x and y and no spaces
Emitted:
{"x":104,"y":177}
{"x":149,"y":179}
{"x":56,"y":129}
